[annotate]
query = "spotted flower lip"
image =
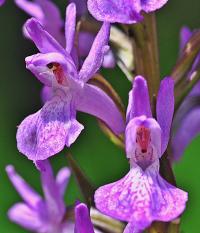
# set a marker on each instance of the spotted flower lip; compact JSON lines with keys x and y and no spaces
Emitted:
{"x":42,"y":215}
{"x":48,"y":131}
{"x":143,"y":196}
{"x":186,"y":121}
{"x":121,"y":11}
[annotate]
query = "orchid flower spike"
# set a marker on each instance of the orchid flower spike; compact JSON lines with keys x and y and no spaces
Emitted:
{"x":186,"y":121}
{"x":48,"y":131}
{"x":143,"y":196}
{"x":121,"y":11}
{"x":42,"y":215}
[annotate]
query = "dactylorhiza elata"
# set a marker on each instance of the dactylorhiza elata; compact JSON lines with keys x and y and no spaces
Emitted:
{"x":71,"y":53}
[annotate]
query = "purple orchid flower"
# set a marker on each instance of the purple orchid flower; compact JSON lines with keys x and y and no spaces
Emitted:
{"x":46,"y":132}
{"x":186,"y":121}
{"x":121,"y":11}
{"x":143,"y":196}
{"x":48,"y":14}
{"x":42,"y":215}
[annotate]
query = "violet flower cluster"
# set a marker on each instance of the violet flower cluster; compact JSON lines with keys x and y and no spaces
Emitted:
{"x":67,"y":63}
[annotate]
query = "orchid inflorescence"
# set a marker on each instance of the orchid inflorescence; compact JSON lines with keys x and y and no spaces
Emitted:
{"x":161,"y":117}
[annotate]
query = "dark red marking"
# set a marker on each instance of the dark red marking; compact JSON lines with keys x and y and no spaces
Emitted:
{"x":143,"y":138}
{"x":58,"y":72}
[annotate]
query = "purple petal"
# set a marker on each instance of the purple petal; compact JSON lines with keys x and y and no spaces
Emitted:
{"x":46,"y":132}
{"x":94,"y":101}
{"x":62,"y":179}
{"x":24,"y":190}
{"x":152,"y":5}
{"x":122,"y":11}
{"x":74,"y":130}
{"x":30,"y":7}
{"x":23,"y":215}
{"x":53,"y":199}
{"x":165,"y":109}
{"x":95,"y":58}
{"x":81,"y":6}
{"x":42,"y":39}
{"x":83,"y":223}
{"x":38,"y":65}
{"x":70,"y":26}
{"x":185,"y":35}
{"x":139,"y":103}
{"x":141,"y":197}
{"x":109,"y":60}
{"x":188,"y":129}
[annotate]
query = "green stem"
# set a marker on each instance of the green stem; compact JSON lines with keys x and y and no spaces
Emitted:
{"x":146,"y":52}
{"x":86,"y":188}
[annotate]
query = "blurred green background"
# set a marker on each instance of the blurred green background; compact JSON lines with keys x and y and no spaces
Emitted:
{"x":101,"y":160}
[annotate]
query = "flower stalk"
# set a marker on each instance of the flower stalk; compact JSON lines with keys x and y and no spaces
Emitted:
{"x":146,"y":51}
{"x":86,"y":188}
